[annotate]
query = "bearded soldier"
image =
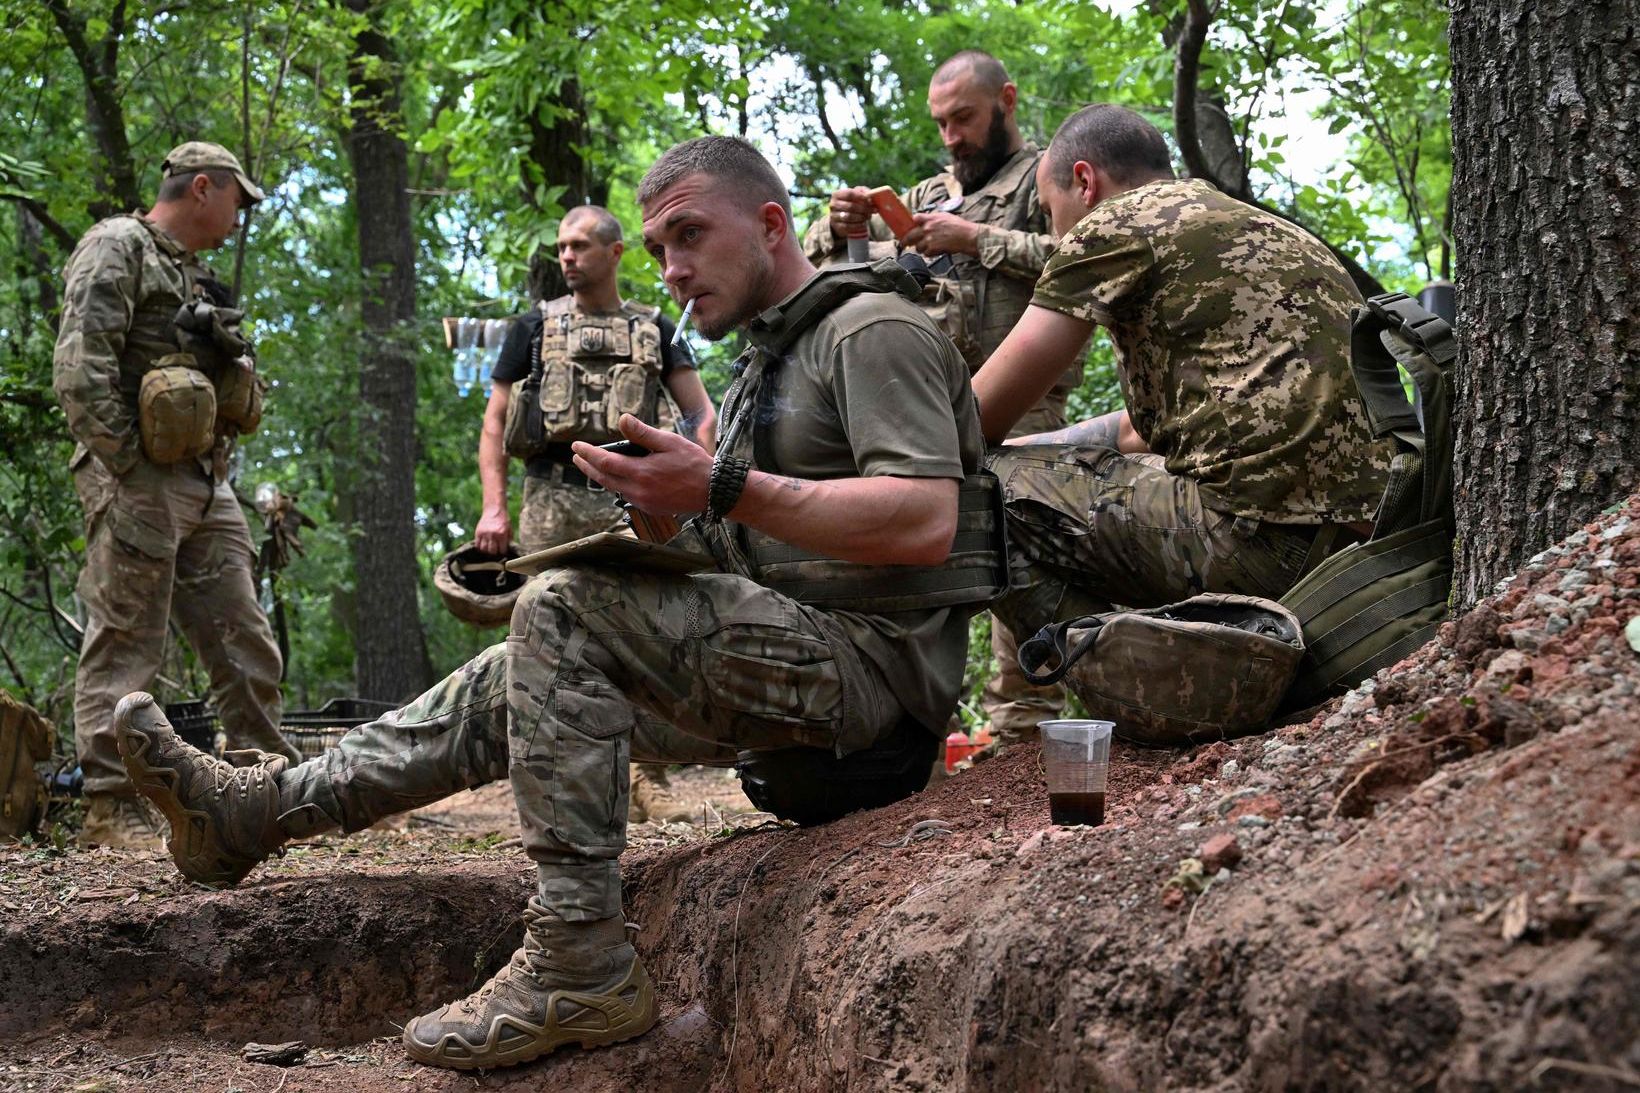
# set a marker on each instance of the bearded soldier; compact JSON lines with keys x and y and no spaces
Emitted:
{"x":567,"y":372}
{"x":156,"y":380}
{"x":853,"y":536}
{"x":986,"y":235}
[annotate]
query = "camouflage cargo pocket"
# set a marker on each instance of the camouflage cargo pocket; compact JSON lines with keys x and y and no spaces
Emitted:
{"x":1057,"y":489}
{"x":128,"y":569}
{"x":769,"y":677}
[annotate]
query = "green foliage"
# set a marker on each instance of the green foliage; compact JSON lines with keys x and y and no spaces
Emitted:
{"x":838,"y":91}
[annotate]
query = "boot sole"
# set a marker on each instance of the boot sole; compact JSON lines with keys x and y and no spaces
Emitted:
{"x":158,"y":784}
{"x":633,"y":1021}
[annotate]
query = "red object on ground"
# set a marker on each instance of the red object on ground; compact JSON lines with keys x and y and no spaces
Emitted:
{"x":958,"y":746}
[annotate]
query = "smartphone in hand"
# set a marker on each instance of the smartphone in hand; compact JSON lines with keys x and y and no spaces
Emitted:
{"x":892,"y":210}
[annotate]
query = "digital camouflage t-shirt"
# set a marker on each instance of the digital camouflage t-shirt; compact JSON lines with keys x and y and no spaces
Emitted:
{"x":1232,"y":336}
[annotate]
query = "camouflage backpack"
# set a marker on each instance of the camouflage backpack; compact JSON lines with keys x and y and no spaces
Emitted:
{"x":1210,"y":667}
{"x":25,"y":739}
{"x":1373,"y":602}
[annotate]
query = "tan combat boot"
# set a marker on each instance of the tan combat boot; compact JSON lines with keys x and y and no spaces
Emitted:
{"x":571,"y":983}
{"x":652,"y":797}
{"x":224,"y":818}
{"x":124,"y":823}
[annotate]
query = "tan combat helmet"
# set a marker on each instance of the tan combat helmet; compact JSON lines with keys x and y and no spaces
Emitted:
{"x":202,"y":155}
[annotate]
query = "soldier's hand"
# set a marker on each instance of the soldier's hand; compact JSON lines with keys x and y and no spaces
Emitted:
{"x":851,"y":212}
{"x":494,"y":532}
{"x":943,"y":233}
{"x":670,"y":480}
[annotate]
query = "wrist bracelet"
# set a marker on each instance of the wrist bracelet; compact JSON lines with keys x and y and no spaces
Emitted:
{"x":725,"y":486}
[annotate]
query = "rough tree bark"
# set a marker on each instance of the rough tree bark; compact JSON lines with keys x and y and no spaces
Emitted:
{"x":390,"y":653}
{"x":1546,"y":178}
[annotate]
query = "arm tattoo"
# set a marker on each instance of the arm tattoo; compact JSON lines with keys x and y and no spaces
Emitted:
{"x":1096,"y":432}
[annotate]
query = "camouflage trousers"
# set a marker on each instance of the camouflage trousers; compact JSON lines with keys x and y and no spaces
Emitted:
{"x":167,"y":543}
{"x":555,"y":512}
{"x":1012,"y":706}
{"x":1091,"y":529}
{"x":601,"y":667}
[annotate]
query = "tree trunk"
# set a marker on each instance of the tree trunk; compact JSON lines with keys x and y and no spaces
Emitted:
{"x":390,"y":654}
{"x":1546,"y":173}
{"x":555,"y":160}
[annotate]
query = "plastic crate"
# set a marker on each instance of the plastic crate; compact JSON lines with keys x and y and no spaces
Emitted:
{"x":313,"y":732}
{"x":195,"y":722}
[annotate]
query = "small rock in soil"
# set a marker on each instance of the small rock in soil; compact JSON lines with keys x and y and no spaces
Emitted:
{"x":1219,"y":852}
{"x":287,"y":1054}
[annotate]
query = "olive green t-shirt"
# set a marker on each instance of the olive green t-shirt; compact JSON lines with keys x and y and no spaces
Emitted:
{"x":1232,"y":336}
{"x":873,"y":388}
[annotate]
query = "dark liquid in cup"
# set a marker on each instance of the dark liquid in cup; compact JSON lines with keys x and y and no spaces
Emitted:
{"x":1077,"y":808}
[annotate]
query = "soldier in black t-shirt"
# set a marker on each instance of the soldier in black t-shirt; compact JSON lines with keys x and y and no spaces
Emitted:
{"x":602,"y":356}
{"x":576,"y":364}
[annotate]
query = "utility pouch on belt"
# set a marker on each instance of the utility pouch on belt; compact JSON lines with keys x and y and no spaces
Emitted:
{"x":25,"y":739}
{"x":1211,"y":667}
{"x":239,"y":395}
{"x":1374,"y":602}
{"x":176,"y":410}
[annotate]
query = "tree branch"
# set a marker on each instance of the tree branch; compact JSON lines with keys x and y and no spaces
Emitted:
{"x":104,"y":114}
{"x":1186,"y":77}
{"x":45,"y":219}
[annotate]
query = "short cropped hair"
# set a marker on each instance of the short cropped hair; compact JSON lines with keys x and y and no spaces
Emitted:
{"x":606,"y":229}
{"x":1114,"y":138}
{"x":728,"y":158}
{"x":985,"y":70}
{"x":175,"y":187}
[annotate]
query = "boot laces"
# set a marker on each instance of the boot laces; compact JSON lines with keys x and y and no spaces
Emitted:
{"x":228,"y":778}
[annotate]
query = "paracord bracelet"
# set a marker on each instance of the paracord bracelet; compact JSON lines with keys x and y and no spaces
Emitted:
{"x":725,"y":486}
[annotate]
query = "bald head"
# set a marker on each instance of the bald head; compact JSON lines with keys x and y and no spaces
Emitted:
{"x":598,"y":221}
{"x":975,"y":67}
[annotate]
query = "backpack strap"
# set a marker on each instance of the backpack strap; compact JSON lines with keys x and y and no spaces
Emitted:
{"x":1051,"y":641}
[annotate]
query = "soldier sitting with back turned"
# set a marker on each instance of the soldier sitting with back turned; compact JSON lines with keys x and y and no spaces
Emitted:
{"x":849,"y":460}
{"x":156,"y":379}
{"x":567,"y":371}
{"x":1231,"y":328}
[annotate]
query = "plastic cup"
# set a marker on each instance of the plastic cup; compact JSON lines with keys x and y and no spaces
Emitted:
{"x":1077,"y":757}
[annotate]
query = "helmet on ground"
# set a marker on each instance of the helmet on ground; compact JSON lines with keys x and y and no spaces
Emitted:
{"x":474,"y":587}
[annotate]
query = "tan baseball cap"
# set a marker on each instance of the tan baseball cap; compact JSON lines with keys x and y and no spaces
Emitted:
{"x":202,"y":155}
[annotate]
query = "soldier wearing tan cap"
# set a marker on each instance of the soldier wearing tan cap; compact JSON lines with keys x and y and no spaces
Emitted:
{"x":157,"y":380}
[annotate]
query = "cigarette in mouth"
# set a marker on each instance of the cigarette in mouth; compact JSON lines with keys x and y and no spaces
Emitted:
{"x":683,"y":322}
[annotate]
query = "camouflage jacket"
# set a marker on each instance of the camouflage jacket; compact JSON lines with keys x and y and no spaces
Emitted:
{"x":1013,"y":245}
{"x":1232,"y":336}
{"x":123,"y":285}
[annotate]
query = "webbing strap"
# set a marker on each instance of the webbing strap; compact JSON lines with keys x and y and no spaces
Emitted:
{"x":1369,"y":620}
{"x":1369,"y":663}
{"x":1360,"y":565}
{"x":1051,"y":641}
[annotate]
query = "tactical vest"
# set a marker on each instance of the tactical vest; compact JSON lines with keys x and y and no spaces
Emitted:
{"x":189,"y":389}
{"x":976,"y":571}
{"x":1372,"y":603}
{"x":975,"y":306}
{"x":590,"y":371}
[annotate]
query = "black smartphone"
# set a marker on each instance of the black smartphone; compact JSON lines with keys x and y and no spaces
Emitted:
{"x":625,"y":447}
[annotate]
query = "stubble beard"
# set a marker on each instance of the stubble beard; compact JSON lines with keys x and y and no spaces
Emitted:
{"x":760,"y":275}
{"x":980,"y":166}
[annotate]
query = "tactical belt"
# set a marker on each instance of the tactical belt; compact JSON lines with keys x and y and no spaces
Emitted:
{"x":975,"y":572}
{"x":558,"y":456}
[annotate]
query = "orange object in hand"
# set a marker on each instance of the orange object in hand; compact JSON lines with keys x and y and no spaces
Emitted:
{"x":892,"y":210}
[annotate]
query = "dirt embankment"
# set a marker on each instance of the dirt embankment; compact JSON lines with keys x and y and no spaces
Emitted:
{"x":1433,"y":884}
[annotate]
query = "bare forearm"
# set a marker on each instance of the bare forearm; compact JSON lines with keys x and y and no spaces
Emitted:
{"x":1104,"y":431}
{"x":883,"y":520}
